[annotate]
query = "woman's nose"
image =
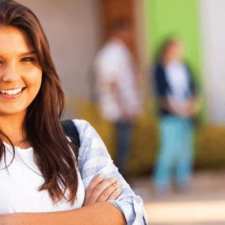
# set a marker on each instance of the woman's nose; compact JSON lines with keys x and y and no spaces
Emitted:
{"x":10,"y":73}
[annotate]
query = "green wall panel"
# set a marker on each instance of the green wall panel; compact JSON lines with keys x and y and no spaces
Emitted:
{"x":179,"y":18}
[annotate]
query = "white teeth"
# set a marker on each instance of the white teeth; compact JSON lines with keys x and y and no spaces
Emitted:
{"x":11,"y":91}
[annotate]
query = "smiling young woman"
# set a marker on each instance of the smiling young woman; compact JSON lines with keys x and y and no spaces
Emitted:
{"x":42,"y":181}
{"x":20,"y":73}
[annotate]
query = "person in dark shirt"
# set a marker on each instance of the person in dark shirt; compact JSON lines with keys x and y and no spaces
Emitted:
{"x":177,"y":101}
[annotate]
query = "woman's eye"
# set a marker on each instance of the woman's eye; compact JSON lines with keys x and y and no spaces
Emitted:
{"x":28,"y":59}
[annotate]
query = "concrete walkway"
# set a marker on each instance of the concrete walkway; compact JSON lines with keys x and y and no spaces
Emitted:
{"x":202,"y":204}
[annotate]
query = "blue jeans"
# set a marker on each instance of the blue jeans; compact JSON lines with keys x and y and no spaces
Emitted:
{"x":176,"y":150}
{"x":123,"y":135}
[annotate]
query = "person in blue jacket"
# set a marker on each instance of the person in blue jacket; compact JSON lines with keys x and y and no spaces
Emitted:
{"x":178,"y":105}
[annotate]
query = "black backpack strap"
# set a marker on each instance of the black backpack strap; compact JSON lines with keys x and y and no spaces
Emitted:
{"x":71,"y":131}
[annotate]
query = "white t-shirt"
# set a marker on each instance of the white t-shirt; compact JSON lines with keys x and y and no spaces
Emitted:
{"x":20,"y":183}
{"x":177,"y":77}
{"x":114,"y":64}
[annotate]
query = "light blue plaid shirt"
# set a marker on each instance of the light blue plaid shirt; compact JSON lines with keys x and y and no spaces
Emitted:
{"x":93,"y":160}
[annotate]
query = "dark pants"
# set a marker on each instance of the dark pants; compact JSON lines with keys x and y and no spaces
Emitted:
{"x":123,"y":135}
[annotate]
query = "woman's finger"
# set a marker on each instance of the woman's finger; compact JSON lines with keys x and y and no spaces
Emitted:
{"x":95,"y":181}
{"x":98,"y":189}
{"x":115,"y":194}
{"x":104,"y":196}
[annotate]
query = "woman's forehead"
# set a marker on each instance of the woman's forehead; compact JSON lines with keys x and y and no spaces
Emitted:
{"x":13,"y":40}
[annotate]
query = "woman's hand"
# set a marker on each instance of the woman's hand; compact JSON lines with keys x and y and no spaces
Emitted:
{"x":101,"y":190}
{"x":186,"y":109}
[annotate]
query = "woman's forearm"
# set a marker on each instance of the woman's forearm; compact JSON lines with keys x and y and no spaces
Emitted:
{"x":97,"y":214}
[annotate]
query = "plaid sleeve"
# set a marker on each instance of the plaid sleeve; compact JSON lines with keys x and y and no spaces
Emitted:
{"x":94,"y":159}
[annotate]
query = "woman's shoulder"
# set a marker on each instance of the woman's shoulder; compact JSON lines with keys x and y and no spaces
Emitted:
{"x":160,"y":67}
{"x":91,"y":144}
{"x":81,"y":123}
{"x":85,"y":129}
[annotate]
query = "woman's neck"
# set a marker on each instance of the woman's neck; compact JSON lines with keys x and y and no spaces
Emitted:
{"x":12,"y":126}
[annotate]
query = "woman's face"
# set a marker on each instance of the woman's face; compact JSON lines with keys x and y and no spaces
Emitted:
{"x":174,"y":51}
{"x":20,"y":73}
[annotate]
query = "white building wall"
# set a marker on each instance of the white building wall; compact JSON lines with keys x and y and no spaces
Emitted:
{"x":73,"y":30}
{"x":213,"y":33}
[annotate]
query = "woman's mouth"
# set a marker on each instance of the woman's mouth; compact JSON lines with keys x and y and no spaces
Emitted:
{"x":11,"y":93}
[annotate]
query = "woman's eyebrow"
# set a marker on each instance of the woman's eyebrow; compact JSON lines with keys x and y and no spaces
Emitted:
{"x":28,"y":53}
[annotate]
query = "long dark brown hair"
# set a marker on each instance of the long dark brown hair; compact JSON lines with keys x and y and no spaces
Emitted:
{"x":52,"y":150}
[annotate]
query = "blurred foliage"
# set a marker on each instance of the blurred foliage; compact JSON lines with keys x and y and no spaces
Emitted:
{"x":209,"y":141}
{"x":210,"y":147}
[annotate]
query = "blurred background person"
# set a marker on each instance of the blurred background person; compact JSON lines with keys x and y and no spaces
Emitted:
{"x":118,"y":90}
{"x":177,"y":101}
